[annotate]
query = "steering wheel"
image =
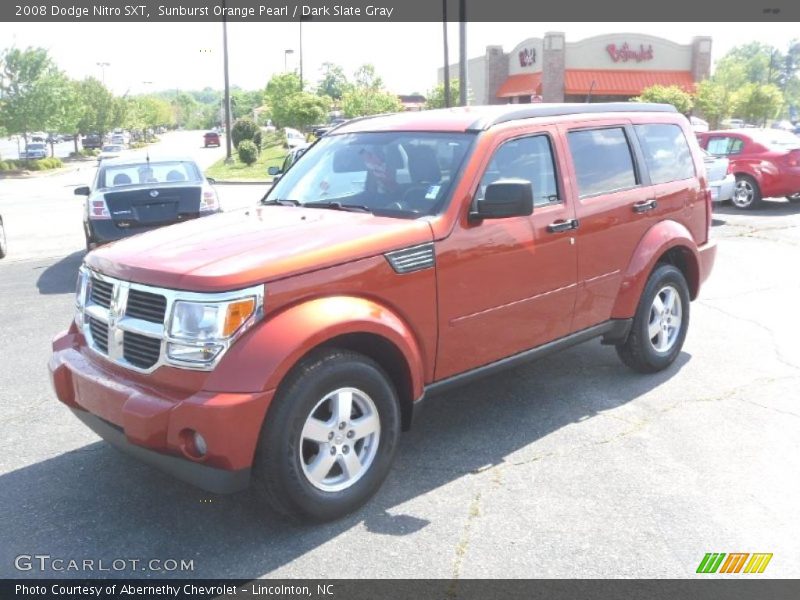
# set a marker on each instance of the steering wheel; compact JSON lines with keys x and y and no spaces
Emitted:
{"x":415,"y":188}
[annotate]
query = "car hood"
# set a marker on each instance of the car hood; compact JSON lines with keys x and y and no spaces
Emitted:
{"x":242,"y":248}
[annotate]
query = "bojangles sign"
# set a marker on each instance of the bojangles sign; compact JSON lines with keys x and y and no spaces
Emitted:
{"x":625,"y":53}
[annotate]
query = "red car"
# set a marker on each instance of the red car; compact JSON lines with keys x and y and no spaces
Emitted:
{"x":403,"y":255}
{"x":211,"y":139}
{"x":766,"y":162}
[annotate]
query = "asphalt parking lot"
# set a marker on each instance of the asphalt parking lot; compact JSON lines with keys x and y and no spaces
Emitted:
{"x":570,"y":467}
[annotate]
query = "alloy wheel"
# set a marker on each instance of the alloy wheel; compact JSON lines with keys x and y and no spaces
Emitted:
{"x":666,"y":316}
{"x":744,"y":194}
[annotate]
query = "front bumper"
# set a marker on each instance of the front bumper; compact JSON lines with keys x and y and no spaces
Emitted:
{"x":724,"y":189}
{"x":155,"y":424}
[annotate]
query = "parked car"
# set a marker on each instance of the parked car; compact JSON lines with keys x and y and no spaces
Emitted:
{"x":93,"y":141}
{"x":34,"y":150}
{"x":68,"y":137}
{"x":291,"y":158}
{"x":765,"y":162}
{"x":55,"y":138}
{"x":39,"y":137}
{"x":721,"y":179}
{"x":211,"y":138}
{"x":291,"y":344}
{"x":118,"y":139}
{"x":110,"y":151}
{"x":3,"y":239}
{"x":294,"y":138}
{"x":134,"y":194}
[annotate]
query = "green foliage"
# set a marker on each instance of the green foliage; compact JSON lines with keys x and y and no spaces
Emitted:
{"x":435,"y":97}
{"x":243,"y":103}
{"x":98,"y":107}
{"x":757,"y":103}
{"x":4,"y":166}
{"x":671,"y":94}
{"x":245,"y":129}
{"x":248,"y":152}
{"x":277,"y":96}
{"x":306,"y":109}
{"x":366,"y":101}
{"x":714,"y":101}
{"x":366,"y":77}
{"x":333,"y":83}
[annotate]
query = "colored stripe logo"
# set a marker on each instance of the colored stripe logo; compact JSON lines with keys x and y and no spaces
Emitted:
{"x":736,"y":562}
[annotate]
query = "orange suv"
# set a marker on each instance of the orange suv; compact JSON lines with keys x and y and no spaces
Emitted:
{"x":400,"y":256}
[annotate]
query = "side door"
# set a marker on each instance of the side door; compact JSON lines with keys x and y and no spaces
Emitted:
{"x":507,"y":285}
{"x":615,"y":206}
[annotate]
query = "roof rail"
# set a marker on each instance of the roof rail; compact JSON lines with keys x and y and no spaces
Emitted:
{"x":531,"y":111}
{"x":356,"y":120}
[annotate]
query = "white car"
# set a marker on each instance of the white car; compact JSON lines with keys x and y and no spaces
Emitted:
{"x":720,"y":180}
{"x":294,"y":138}
{"x":110,"y":151}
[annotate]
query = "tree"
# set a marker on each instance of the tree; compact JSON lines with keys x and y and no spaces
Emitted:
{"x":304,"y":109}
{"x":98,"y":107}
{"x":365,"y":77}
{"x":756,"y":103}
{"x":714,"y":102}
{"x":23,"y":72}
{"x":435,"y":97}
{"x":184,"y":106}
{"x":279,"y":91}
{"x":671,"y":94}
{"x":333,"y":83}
{"x":366,"y":101}
{"x":245,"y":129}
{"x":243,"y":103}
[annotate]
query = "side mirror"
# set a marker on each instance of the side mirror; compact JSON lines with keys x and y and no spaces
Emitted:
{"x":82,"y":190}
{"x":274,"y":171}
{"x":211,"y":180}
{"x":505,"y":198}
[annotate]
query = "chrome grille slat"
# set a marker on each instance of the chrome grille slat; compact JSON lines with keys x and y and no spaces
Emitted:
{"x":140,"y":350}
{"x":99,"y":332}
{"x":146,"y":306}
{"x":102,"y":292}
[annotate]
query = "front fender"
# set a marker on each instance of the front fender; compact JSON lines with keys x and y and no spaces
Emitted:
{"x":262,"y":358}
{"x":658,"y":240}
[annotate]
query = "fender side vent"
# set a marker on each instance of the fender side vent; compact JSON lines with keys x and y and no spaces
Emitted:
{"x":411,"y":259}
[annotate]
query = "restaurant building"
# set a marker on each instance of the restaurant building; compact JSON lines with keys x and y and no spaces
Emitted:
{"x":604,"y":68}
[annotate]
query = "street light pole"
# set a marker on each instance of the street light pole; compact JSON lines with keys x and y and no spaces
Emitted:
{"x":446,"y":56}
{"x":228,"y":148}
{"x":301,"y":54}
{"x":462,"y":54}
{"x":286,"y":54}
{"x":103,"y":66}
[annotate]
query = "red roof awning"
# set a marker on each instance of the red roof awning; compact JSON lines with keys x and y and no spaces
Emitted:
{"x":622,"y":83}
{"x":527,"y":84}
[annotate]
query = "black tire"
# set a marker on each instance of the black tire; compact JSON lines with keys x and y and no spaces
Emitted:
{"x":278,"y":469}
{"x":639,"y":352}
{"x":3,"y":241}
{"x":747,"y":195}
{"x":793,"y":198}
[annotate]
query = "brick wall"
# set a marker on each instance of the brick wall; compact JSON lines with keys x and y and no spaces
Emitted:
{"x":553,"y":67}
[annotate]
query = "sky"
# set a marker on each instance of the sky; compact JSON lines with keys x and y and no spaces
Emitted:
{"x":145,"y":57}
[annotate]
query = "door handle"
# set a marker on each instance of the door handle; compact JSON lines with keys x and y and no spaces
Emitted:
{"x":645,"y":205}
{"x":561,"y":225}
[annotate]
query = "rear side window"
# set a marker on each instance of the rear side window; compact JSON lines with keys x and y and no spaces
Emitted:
{"x":666,"y":152}
{"x":603,"y":161}
{"x":725,"y":146}
{"x":529,"y":158}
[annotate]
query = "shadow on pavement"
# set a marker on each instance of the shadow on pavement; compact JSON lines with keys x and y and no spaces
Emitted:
{"x":96,"y":503}
{"x":60,"y":278}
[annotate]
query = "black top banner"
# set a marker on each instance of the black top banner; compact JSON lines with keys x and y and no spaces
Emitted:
{"x":398,"y":10}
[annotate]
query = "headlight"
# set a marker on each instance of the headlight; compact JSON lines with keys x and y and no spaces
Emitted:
{"x":198,"y":330}
{"x":81,"y":293}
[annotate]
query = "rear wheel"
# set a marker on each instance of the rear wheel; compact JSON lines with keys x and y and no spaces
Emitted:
{"x":329,"y":438}
{"x":793,"y":198}
{"x":747,"y":194}
{"x":660,"y":324}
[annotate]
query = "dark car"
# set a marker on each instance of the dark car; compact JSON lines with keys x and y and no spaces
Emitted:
{"x":135,"y":194}
{"x":211,"y":139}
{"x":3,"y":242}
{"x":93,"y":141}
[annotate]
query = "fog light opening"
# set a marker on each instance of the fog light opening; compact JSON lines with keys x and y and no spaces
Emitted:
{"x":194,"y":444}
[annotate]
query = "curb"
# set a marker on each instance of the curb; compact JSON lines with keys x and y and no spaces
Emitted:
{"x":241,"y":182}
{"x":47,"y":173}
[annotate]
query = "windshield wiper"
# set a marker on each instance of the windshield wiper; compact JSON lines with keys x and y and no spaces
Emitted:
{"x":339,"y":206}
{"x":280,"y":202}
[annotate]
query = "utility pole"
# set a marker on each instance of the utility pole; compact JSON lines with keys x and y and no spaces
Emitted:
{"x":447,"y":100}
{"x":301,"y":54}
{"x":228,"y":149}
{"x":462,"y":54}
{"x":103,"y":66}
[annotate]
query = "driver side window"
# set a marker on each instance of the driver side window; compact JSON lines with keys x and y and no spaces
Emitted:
{"x":529,"y":158}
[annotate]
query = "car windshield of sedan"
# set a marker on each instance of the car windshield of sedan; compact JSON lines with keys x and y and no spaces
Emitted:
{"x":402,"y":174}
{"x":35,"y":146}
{"x":148,"y":173}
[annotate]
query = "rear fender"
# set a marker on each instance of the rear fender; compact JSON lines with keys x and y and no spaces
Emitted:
{"x":262,"y":358}
{"x":659,"y":240}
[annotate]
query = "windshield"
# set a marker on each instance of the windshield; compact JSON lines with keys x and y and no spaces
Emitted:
{"x":404,"y":174}
{"x":146,"y":173}
{"x":36,"y":146}
{"x":112,"y":148}
{"x":777,"y":139}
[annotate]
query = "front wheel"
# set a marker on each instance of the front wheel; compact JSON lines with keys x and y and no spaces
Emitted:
{"x":793,"y":198}
{"x":660,"y":323}
{"x":3,"y":241}
{"x":747,"y":194}
{"x":329,"y":438}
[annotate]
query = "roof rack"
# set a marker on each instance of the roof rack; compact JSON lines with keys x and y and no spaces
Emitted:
{"x":530,"y":111}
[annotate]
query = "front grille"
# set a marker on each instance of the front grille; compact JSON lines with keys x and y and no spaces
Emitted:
{"x":102,"y":292}
{"x":140,"y":350}
{"x":99,"y":331}
{"x":146,"y":306}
